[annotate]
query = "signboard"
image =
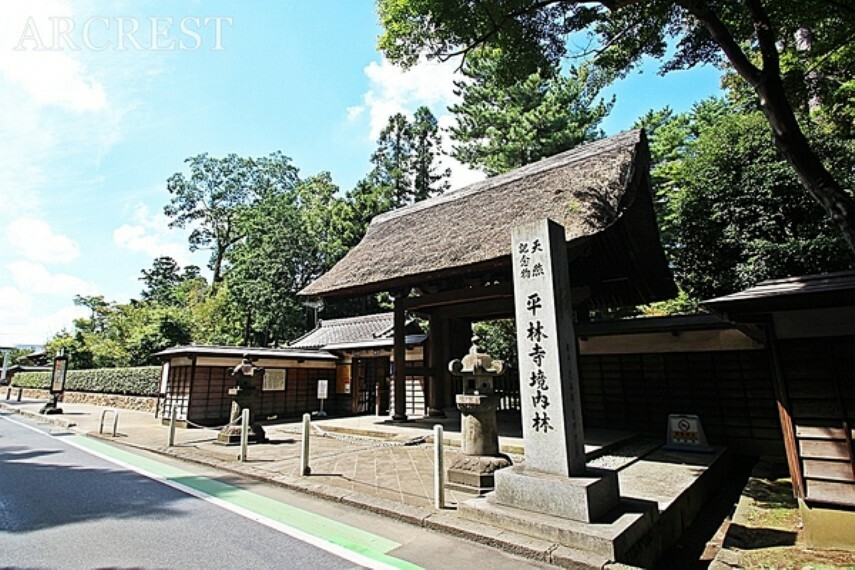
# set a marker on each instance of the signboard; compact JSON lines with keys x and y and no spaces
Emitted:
{"x":164,"y":377}
{"x":323,"y":386}
{"x":685,"y":433}
{"x":60,"y":367}
{"x":274,"y":379}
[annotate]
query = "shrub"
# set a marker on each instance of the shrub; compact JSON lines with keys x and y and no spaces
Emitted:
{"x":140,"y":381}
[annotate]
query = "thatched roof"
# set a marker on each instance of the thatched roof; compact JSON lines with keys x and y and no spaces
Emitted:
{"x":468,"y":231}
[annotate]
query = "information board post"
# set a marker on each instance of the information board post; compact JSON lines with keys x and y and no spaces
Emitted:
{"x":5,"y":363}
{"x":57,"y":385}
{"x":323,"y":391}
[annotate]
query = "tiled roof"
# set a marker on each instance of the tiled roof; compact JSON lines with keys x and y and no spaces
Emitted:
{"x":239,"y":351}
{"x":366,"y":328}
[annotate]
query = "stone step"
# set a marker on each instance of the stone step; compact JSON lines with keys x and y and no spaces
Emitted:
{"x":614,"y":538}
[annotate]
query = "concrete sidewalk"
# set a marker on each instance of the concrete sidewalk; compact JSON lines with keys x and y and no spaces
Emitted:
{"x":388,"y":468}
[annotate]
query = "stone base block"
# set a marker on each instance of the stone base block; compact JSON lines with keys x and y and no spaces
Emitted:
{"x":231,"y":435}
{"x":620,"y":538}
{"x":50,"y":408}
{"x":475,"y":473}
{"x":585,"y":499}
{"x":460,"y":480}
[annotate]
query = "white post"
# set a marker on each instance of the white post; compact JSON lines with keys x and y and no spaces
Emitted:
{"x":172,"y":426}
{"x":438,"y":468}
{"x":244,"y":433}
{"x":5,"y":364}
{"x":304,"y":455}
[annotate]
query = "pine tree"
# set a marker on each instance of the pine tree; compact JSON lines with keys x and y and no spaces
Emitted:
{"x":504,"y":126}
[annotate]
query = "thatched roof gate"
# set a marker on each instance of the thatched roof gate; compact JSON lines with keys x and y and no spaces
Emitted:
{"x":449,"y":257}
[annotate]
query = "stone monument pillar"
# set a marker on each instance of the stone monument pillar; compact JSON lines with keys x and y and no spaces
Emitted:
{"x":553,"y":478}
{"x":246,"y":377}
{"x":473,"y":470}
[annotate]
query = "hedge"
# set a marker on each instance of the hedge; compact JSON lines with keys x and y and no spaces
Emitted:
{"x":140,"y":381}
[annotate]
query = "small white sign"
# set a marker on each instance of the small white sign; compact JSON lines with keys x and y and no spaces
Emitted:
{"x":323,"y":386}
{"x":685,"y":433}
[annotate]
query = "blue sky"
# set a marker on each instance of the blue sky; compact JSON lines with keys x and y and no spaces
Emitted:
{"x":94,"y":119}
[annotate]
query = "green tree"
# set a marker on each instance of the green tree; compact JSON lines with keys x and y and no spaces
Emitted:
{"x":733,"y":212}
{"x":211,"y":199}
{"x":749,"y":37}
{"x":392,"y":160}
{"x":292,"y":236}
{"x":502,"y":126}
{"x":404,"y":164}
{"x":163,"y":279}
{"x":154,"y":328}
{"x":426,"y":150}
{"x":214,"y":316}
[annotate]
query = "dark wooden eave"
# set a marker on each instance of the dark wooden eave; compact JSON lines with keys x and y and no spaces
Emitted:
{"x":792,"y":293}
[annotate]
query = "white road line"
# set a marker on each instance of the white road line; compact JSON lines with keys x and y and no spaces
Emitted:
{"x":317,"y":542}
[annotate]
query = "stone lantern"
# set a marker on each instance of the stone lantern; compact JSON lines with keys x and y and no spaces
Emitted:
{"x":246,"y":376}
{"x":473,"y":469}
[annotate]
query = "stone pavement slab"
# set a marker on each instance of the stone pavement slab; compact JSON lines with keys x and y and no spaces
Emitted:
{"x":364,"y":462}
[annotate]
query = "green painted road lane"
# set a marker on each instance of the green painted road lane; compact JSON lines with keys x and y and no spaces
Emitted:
{"x":350,"y":538}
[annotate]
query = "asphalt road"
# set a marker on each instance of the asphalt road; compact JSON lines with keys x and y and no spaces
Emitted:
{"x":62,"y":507}
{"x":69,"y":501}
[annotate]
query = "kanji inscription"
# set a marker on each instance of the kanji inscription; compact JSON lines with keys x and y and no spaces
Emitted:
{"x":549,"y":383}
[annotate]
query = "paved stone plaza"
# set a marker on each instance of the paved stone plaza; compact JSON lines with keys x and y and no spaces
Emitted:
{"x":386,"y":468}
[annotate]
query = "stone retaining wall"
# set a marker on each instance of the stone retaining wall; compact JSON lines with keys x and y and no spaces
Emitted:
{"x":136,"y":403}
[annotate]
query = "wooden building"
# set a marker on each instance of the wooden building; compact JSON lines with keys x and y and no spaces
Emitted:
{"x":353,"y":355}
{"x":634,"y":373}
{"x":366,"y":361}
{"x":196,"y":380}
{"x":808,"y":325}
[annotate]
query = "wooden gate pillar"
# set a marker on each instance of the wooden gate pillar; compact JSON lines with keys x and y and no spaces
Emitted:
{"x":437,"y":362}
{"x":400,"y":355}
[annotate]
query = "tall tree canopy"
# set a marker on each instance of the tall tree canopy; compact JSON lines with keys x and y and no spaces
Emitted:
{"x":751,"y":36}
{"x":291,"y":237}
{"x":502,"y":126}
{"x":428,"y":180}
{"x":732,"y":211}
{"x":405,"y":169}
{"x":162,"y":280}
{"x":404,"y":165}
{"x":211,"y":199}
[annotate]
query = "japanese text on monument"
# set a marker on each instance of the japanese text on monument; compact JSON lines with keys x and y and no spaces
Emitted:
{"x":531,"y":260}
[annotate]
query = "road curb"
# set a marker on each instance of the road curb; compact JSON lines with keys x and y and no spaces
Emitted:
{"x":445,"y":521}
{"x":46,"y":419}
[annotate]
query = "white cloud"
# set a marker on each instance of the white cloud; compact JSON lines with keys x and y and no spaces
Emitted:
{"x":461,"y":175}
{"x":21,"y":327}
{"x":35,"y":240}
{"x":12,"y":302}
{"x":354,"y":112}
{"x":50,"y":77}
{"x":36,"y":279}
{"x":395,"y":90}
{"x":58,"y":115}
{"x":149,"y":234}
